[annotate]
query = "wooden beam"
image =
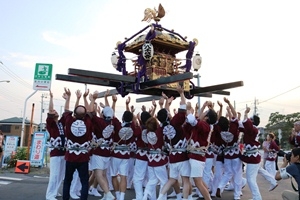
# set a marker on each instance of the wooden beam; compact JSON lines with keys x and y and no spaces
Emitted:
{"x":102,"y":75}
{"x":166,"y":80}
{"x":221,"y":92}
{"x":150,"y":98}
{"x":145,"y":99}
{"x":217,"y":87}
{"x":111,"y":92}
{"x":207,"y":94}
{"x":85,"y":80}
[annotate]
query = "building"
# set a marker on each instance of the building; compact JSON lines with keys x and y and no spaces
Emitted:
{"x":13,"y":127}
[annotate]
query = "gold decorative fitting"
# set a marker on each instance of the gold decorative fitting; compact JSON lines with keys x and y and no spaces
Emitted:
{"x":119,"y":42}
{"x":150,"y":14}
{"x":196,"y":41}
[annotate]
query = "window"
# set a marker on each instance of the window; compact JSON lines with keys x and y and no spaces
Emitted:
{"x":5,"y":128}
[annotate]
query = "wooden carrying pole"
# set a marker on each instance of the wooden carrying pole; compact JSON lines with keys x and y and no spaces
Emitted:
{"x":30,"y":131}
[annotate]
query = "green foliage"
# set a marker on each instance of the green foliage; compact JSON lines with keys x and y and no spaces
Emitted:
{"x":283,"y":122}
{"x":21,"y":154}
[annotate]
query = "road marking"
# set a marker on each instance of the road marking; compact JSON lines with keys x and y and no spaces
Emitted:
{"x":5,"y":182}
{"x":10,"y":178}
{"x":41,"y":176}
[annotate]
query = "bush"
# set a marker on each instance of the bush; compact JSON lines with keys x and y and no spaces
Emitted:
{"x":21,"y":154}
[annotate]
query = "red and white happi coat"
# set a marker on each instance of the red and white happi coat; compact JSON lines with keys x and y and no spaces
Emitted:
{"x":251,"y":144}
{"x":231,"y":141}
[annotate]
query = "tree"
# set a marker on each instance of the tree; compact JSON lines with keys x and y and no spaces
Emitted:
{"x":285,"y":123}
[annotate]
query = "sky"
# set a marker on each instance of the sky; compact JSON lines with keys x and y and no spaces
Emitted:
{"x":256,"y":42}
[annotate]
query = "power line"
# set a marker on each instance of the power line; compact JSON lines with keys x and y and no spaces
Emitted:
{"x":280,"y":94}
{"x":15,"y":76}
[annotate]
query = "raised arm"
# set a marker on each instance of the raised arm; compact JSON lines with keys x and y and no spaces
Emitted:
{"x":127,"y":103}
{"x":78,"y":96}
{"x":201,"y":115}
{"x":234,"y":115}
{"x":167,"y":103}
{"x":93,"y":99}
{"x":229,"y":114}
{"x":51,"y":107}
{"x":197,"y":110}
{"x":246,"y":113}
{"x":220,"y":110}
{"x":106,"y":98}
{"x":114,"y":102}
{"x":93,"y":104}
{"x":161,"y":102}
{"x":86,"y":103}
{"x":99,"y":110}
{"x":181,"y":93}
{"x":67,"y":97}
{"x":239,"y":115}
{"x":154,"y":108}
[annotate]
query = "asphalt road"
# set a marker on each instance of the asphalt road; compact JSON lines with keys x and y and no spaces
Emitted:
{"x":33,"y":185}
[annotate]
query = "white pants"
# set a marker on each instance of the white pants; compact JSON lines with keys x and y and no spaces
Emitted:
{"x":251,"y":175}
{"x":219,"y":170}
{"x":267,"y":176}
{"x":232,"y":168}
{"x":57,"y":174}
{"x":75,"y":184}
{"x":270,"y":167}
{"x":109,"y":178}
{"x":207,"y":173}
{"x":139,"y":175}
{"x":155,"y":174}
{"x":130,"y":171}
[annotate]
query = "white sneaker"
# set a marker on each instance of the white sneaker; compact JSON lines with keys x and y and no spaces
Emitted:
{"x":74,"y":196}
{"x":272,"y":187}
{"x":58,"y":195}
{"x":173,"y":194}
{"x":94,"y":192}
{"x":109,"y":196}
{"x":229,"y":187}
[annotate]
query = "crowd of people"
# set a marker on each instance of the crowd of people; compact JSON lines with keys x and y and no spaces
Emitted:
{"x":92,"y":150}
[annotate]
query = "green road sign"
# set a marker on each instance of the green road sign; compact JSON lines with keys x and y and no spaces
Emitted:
{"x":42,"y":76}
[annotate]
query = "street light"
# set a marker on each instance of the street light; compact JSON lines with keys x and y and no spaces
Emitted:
{"x":198,"y":84}
{"x":197,"y":61}
{"x":7,"y":81}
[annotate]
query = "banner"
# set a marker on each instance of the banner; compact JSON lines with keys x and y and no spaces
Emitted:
{"x":10,"y":147}
{"x":38,"y":149}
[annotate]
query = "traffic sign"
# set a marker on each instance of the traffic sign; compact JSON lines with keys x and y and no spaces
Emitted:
{"x":38,"y":149}
{"x":42,"y":76}
{"x":22,"y":166}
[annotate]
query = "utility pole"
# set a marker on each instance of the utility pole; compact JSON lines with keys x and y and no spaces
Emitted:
{"x":42,"y":110}
{"x":255,"y":107}
{"x":198,"y":84}
{"x":23,"y":120}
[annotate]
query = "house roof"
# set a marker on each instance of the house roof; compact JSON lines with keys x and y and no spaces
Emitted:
{"x":14,"y":120}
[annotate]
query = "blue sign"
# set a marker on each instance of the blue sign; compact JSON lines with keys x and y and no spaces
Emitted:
{"x":10,"y":148}
{"x":38,"y":149}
